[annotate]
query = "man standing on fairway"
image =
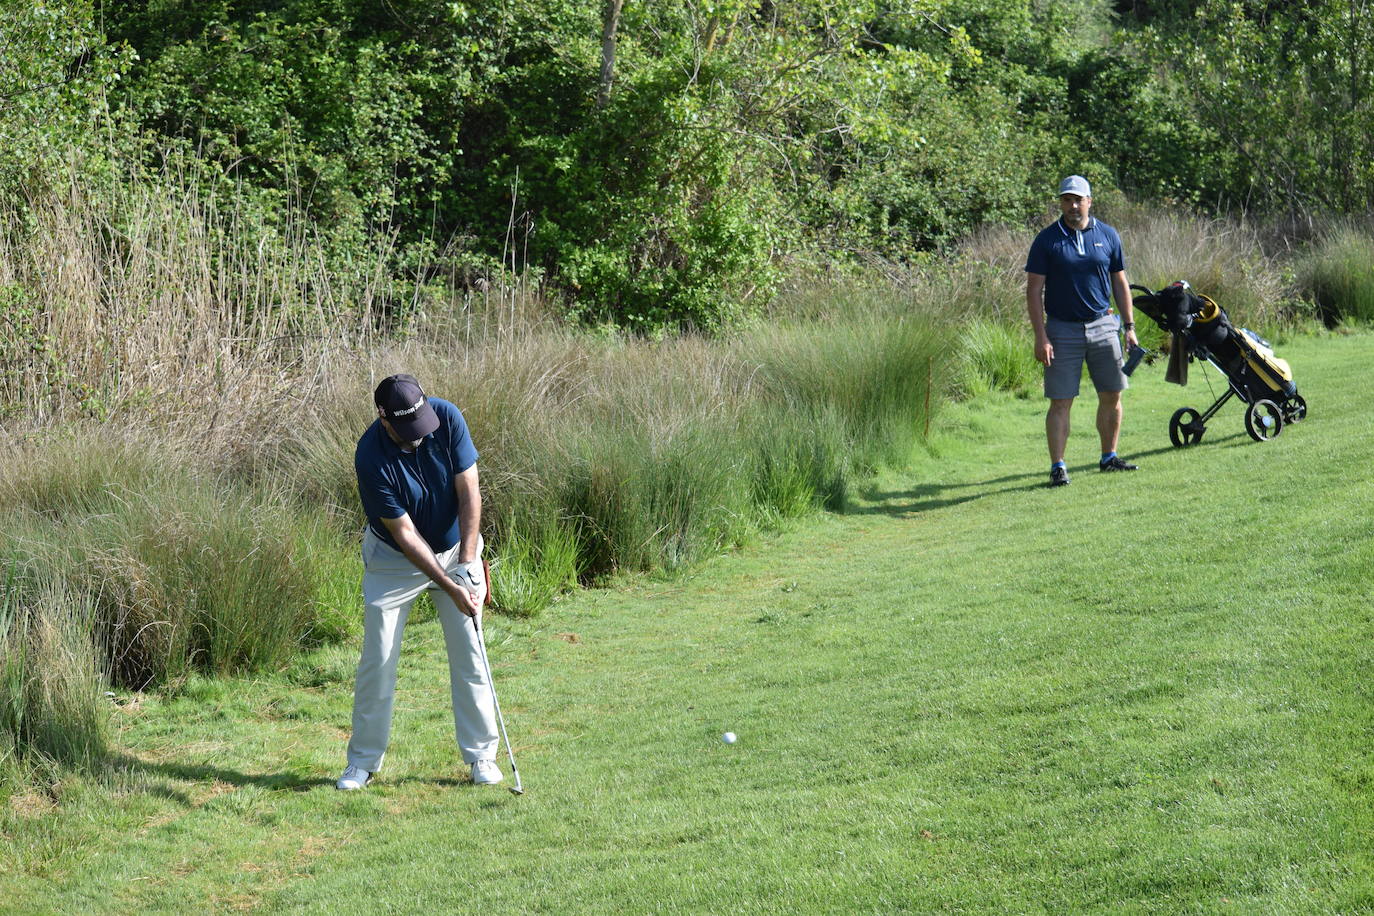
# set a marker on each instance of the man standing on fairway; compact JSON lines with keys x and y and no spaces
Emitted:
{"x":1074,"y":267}
{"x":417,"y":477}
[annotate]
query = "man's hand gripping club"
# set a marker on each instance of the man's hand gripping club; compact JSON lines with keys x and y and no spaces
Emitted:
{"x":466,"y":587}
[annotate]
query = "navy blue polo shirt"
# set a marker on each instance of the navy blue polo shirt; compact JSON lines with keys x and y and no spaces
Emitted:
{"x":393,"y":483}
{"x":1077,"y":267}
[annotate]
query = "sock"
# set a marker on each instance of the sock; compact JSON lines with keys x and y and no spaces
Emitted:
{"x":1107,"y":456}
{"x":1059,"y":464}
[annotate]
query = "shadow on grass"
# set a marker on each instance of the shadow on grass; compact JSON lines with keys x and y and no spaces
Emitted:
{"x":199,"y":772}
{"x":1234,"y":439}
{"x":446,"y":782}
{"x":1171,"y":449}
{"x":926,"y":497}
{"x":276,"y":782}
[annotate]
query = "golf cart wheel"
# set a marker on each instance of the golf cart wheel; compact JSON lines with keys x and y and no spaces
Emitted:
{"x":1185,"y":427}
{"x":1263,"y":420}
{"x":1294,"y":409}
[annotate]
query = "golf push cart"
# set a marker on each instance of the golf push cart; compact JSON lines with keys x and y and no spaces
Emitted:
{"x":1201,"y":330}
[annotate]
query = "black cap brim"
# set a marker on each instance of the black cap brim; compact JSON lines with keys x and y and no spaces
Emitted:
{"x":418,"y":425}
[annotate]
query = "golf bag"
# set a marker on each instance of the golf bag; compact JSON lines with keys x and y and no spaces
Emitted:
{"x":1202,"y":330}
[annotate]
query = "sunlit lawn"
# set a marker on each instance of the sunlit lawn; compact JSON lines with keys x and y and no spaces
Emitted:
{"x":1143,"y":693}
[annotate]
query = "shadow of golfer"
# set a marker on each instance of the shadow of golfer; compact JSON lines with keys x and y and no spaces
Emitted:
{"x":199,"y":772}
{"x":929,"y":496}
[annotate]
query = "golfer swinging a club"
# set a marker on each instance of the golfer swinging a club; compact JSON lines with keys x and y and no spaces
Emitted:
{"x":417,"y":477}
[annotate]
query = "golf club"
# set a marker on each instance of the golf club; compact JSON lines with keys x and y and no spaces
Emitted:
{"x":516,"y":789}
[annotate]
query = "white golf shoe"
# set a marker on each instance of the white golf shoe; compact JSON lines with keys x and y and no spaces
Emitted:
{"x":353,"y":778}
{"x":486,"y":773}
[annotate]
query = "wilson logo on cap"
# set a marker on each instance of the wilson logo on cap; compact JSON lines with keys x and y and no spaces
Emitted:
{"x":405,"y":412}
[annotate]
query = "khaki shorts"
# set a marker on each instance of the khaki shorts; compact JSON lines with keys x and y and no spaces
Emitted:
{"x":1097,"y":343}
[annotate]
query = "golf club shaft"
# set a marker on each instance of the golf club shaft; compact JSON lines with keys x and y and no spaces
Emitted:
{"x":500,"y":719}
{"x":491,"y":683}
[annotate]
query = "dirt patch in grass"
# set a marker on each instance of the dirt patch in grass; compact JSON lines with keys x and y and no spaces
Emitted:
{"x":31,"y":804}
{"x":203,"y":794}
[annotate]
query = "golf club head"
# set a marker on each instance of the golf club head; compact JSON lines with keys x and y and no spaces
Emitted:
{"x":516,"y":790}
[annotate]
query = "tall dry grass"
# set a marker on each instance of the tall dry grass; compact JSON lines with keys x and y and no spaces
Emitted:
{"x":146,"y":303}
{"x":51,"y":703}
{"x":601,"y":454}
{"x":1234,"y":262}
{"x":1224,"y":258}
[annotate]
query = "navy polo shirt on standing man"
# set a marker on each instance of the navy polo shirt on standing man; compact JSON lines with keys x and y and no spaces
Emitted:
{"x":393,"y":482}
{"x":1077,"y":267}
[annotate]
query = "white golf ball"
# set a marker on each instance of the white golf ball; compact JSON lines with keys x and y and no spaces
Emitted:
{"x":728,"y":738}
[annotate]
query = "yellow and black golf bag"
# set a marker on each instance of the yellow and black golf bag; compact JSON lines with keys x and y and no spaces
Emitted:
{"x":1202,"y":330}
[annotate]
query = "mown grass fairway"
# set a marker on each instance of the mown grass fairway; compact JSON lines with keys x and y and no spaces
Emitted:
{"x":1144,"y":693}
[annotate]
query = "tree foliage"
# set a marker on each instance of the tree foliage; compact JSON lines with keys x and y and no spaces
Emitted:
{"x":1273,"y":100}
{"x":658,"y":162}
{"x":733,"y":132}
{"x":55,"y":66}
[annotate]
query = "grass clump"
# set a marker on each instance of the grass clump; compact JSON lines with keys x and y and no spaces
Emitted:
{"x":181,"y":570}
{"x":51,"y":702}
{"x":801,"y":462}
{"x":537,"y":563}
{"x":645,"y":502}
{"x":875,"y":371}
{"x":994,"y":357}
{"x":1337,"y":273}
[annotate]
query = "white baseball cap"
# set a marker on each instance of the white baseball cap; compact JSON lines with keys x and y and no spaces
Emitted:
{"x":1075,"y":184}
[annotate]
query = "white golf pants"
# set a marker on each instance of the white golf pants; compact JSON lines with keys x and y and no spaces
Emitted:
{"x":391,"y":583}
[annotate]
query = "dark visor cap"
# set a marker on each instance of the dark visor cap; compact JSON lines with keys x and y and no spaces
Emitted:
{"x":404,"y":405}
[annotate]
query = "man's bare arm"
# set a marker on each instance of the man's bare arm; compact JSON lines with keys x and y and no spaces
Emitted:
{"x":1035,"y":310}
{"x":408,"y":539}
{"x":469,"y":492}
